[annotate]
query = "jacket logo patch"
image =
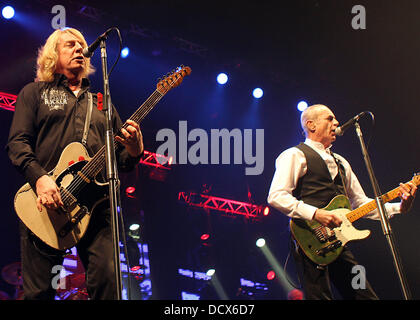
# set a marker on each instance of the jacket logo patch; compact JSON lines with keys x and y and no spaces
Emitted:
{"x":54,"y":99}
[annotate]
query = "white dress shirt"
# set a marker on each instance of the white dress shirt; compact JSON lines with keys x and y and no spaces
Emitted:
{"x":291,"y":165}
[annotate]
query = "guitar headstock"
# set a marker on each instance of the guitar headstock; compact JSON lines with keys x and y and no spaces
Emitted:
{"x":173,"y":79}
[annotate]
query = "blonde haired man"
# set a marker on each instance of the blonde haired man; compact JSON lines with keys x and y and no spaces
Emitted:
{"x":50,"y":113}
{"x":47,"y":60}
{"x":306,"y":179}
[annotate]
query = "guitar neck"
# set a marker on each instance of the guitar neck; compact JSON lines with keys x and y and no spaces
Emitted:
{"x":146,"y":107}
{"x":97,"y":163}
{"x":372,"y":205}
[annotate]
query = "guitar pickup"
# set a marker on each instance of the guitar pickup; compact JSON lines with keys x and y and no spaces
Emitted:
{"x":329,"y":248}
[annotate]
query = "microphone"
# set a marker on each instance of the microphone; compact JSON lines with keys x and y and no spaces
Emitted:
{"x":340,"y":130}
{"x":88,"y":52}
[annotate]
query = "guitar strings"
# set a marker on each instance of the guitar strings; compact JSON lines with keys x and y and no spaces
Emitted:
{"x":92,"y":168}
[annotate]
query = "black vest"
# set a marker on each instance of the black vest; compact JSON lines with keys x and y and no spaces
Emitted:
{"x":316,"y":187}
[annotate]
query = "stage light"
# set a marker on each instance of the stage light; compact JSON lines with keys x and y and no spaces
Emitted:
{"x":134,"y":231}
{"x":222,"y":78}
{"x":125,"y":52}
{"x":266,"y":211}
{"x":8,"y":12}
{"x":210,"y":272}
{"x":295,"y":294}
{"x":258,"y":93}
{"x":260,"y":242}
{"x":130,"y":190}
{"x":205,"y":236}
{"x":134,"y":227}
{"x":271,"y":275}
{"x":302,"y":105}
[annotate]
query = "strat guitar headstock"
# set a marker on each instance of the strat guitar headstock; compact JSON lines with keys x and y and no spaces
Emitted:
{"x":173,"y":79}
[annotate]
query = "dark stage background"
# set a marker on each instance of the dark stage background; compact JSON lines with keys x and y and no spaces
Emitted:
{"x":294,"y":50}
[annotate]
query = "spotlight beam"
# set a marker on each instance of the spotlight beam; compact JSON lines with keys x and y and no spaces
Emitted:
{"x":218,"y":287}
{"x":278,"y":269}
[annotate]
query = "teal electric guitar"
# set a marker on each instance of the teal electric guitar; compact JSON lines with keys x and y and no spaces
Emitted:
{"x":323,"y":245}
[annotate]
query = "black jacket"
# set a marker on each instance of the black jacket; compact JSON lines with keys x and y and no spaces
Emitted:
{"x":48,"y":116}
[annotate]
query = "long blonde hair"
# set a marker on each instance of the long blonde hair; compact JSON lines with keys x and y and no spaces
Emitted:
{"x":48,"y":56}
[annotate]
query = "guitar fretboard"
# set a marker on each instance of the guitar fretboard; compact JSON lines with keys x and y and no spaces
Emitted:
{"x":370,"y":206}
{"x":97,"y":163}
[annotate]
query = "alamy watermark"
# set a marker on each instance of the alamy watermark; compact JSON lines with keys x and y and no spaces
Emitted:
{"x":359,"y":20}
{"x":359,"y":280}
{"x":216,"y":149}
{"x":59,"y":20}
{"x":58,"y":282}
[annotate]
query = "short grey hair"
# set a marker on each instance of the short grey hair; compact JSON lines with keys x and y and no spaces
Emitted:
{"x":310,"y":113}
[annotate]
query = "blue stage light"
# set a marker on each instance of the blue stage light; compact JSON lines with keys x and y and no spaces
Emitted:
{"x":125,"y":52}
{"x":222,"y":78}
{"x":8,"y":12}
{"x":257,"y":93}
{"x":302,"y":105}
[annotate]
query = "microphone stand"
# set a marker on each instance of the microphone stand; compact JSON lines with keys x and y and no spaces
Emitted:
{"x":386,"y":227}
{"x":111,"y":169}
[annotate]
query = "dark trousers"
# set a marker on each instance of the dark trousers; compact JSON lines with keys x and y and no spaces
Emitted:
{"x":317,"y":280}
{"x":95,"y":250}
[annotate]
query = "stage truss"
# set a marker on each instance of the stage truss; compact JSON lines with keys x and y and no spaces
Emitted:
{"x":227,"y":206}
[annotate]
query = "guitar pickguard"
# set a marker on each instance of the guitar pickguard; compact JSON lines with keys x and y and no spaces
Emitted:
{"x":62,"y":229}
{"x":79,"y":199}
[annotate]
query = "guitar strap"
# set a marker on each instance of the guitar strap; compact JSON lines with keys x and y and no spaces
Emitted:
{"x":341,"y":172}
{"x":87,"y":120}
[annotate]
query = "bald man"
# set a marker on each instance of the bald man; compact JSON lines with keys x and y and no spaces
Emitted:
{"x":307,"y":177}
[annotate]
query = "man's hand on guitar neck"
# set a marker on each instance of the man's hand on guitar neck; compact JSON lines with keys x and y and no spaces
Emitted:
{"x":132,"y":138}
{"x":48,"y":193}
{"x":327,"y":219}
{"x":407,"y":195}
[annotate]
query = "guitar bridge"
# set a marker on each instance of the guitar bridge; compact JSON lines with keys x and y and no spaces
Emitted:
{"x":69,"y":226}
{"x":332,"y":246}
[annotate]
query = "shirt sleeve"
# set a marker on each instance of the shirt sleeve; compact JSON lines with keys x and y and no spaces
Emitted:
{"x":22,"y":135}
{"x":290,"y":166}
{"x":358,"y":197}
